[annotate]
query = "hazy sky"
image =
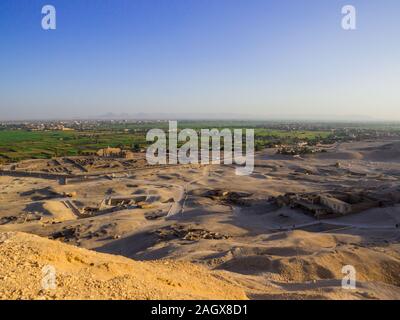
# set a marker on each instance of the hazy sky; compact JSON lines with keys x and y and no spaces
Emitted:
{"x":262,"y":57}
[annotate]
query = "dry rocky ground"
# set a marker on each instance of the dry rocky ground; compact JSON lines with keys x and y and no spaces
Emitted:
{"x":84,"y":274}
{"x":191,"y":226}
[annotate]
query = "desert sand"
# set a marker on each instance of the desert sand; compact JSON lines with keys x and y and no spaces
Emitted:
{"x":181,"y":230}
{"x":84,"y":274}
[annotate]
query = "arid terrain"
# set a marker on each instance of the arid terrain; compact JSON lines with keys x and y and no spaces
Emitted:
{"x":200,"y":231}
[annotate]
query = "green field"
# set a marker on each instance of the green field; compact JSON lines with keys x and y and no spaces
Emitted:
{"x":16,"y":145}
{"x":19,"y":145}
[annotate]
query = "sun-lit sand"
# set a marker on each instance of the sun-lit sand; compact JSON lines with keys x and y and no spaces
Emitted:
{"x":263,"y":251}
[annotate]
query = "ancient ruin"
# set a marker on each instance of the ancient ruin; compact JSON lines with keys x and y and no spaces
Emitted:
{"x":337,"y":203}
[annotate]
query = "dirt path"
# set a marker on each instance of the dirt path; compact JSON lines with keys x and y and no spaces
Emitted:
{"x":179,"y":205}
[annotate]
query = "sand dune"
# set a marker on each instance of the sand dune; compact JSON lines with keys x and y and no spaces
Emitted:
{"x":386,"y":153}
{"x":389,"y":152}
{"x":219,"y":220}
{"x":83,"y":274}
{"x":344,"y":155}
{"x":57,"y":211}
{"x":301,"y":256}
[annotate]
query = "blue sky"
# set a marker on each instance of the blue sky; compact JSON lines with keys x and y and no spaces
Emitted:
{"x":285,"y":58}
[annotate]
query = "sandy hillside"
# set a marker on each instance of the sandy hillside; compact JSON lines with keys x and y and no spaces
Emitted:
{"x":209,"y":217}
{"x":377,"y":151}
{"x":304,"y":265}
{"x":83,"y":274}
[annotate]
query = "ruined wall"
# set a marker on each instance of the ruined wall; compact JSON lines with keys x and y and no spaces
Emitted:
{"x":337,"y":206}
{"x":42,"y":175}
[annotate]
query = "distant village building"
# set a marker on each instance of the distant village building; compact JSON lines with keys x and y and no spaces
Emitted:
{"x":115,"y":153}
{"x":67,"y":129}
{"x":109,"y":152}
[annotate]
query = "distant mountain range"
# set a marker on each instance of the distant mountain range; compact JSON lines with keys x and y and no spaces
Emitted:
{"x":176,"y":116}
{"x":212,"y":116}
{"x":230,"y":116}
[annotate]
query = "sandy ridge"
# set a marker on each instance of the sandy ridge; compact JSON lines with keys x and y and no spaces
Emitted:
{"x":83,"y":274}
